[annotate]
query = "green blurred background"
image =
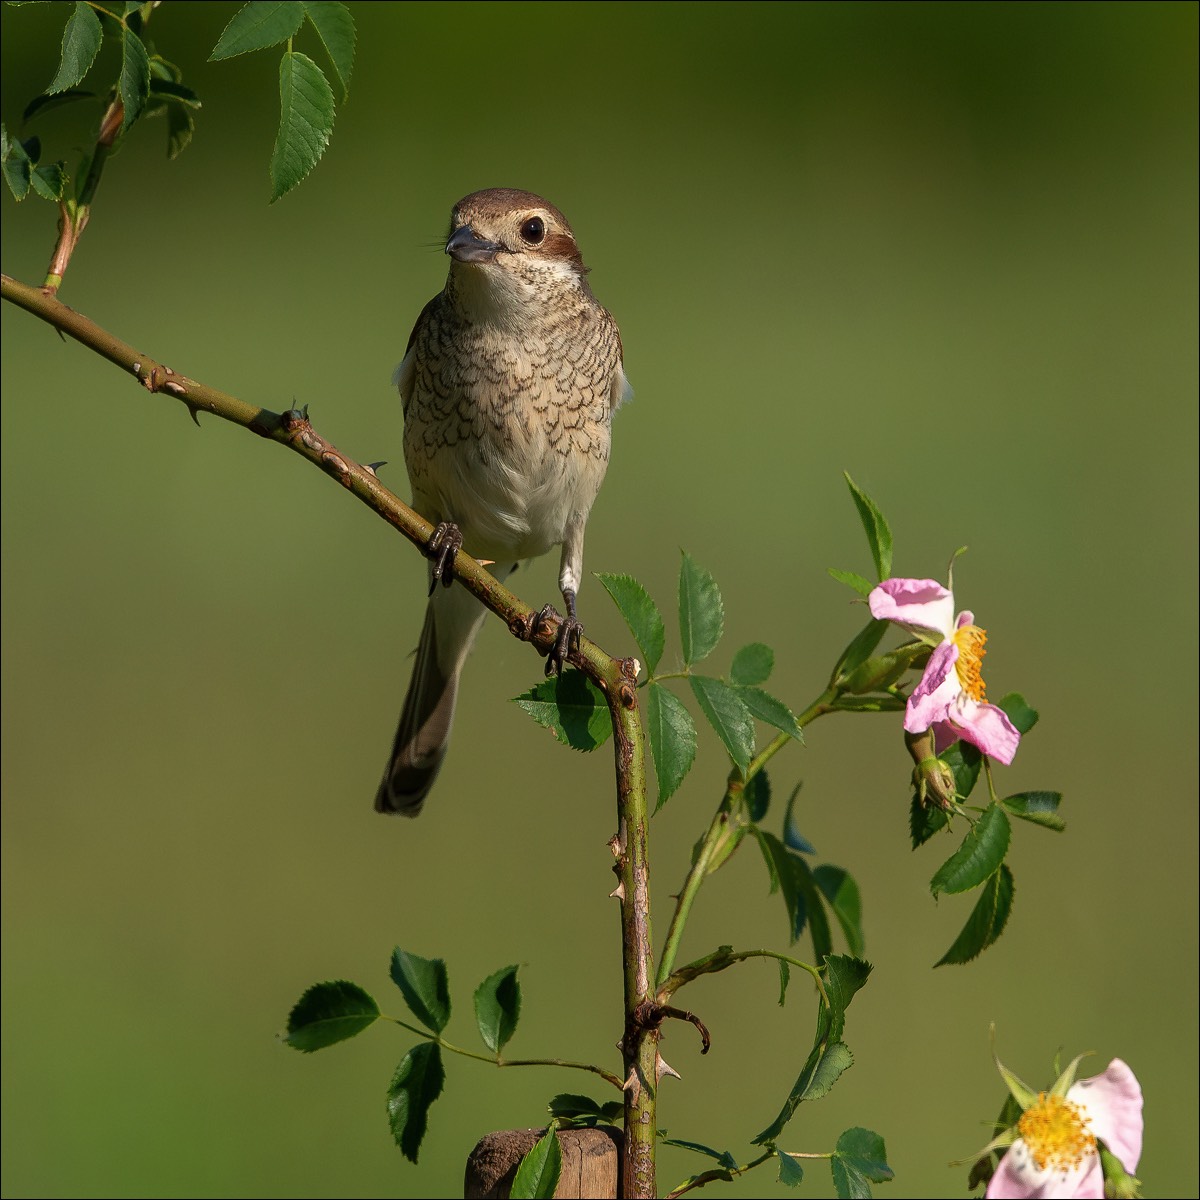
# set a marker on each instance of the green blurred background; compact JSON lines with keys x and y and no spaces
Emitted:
{"x":949,"y":248}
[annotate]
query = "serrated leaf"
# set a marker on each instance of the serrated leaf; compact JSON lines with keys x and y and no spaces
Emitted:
{"x":879,"y":536}
{"x":792,"y":837}
{"x":641,"y":615}
{"x":583,"y":1110}
{"x":416,"y":1084}
{"x":752,"y":664}
{"x":180,"y":127}
{"x":981,"y":852}
{"x":924,"y":820}
{"x":170,"y":89}
{"x":701,"y":611}
{"x":791,"y":1173}
{"x":425,"y":986}
{"x":871,"y":704}
{"x":790,"y":875}
{"x":17,"y":166}
{"x":859,"y":1160}
{"x":571,"y":707}
{"x":328,"y":1013}
{"x":726,"y":711}
{"x":50,"y":180}
{"x":257,"y":25}
{"x":986,"y":922}
{"x":824,"y":1067}
{"x":48,"y":102}
{"x":1039,"y":807}
{"x":1018,"y":712}
{"x":841,"y":891}
{"x":757,"y":794}
{"x":773,"y":712}
{"x":538,"y":1172}
{"x":862,"y":586}
{"x":335,"y":28}
{"x":844,"y":976}
{"x":134,"y":83}
{"x":305,"y":121}
{"x":498,"y":1008}
{"x":80,"y":45}
{"x":672,"y":735}
{"x":722,"y":1156}
{"x":965,"y":761}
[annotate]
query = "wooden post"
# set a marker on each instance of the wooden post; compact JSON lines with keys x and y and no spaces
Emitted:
{"x":591,"y":1163}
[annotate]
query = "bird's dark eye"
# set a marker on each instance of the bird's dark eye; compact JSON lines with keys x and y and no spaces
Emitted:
{"x":533,"y":231}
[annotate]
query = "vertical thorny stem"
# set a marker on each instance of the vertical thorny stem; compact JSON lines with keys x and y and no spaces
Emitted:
{"x":639,"y":1044}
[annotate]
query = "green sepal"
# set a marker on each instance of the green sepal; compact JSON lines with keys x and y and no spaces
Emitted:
{"x":416,"y":1084}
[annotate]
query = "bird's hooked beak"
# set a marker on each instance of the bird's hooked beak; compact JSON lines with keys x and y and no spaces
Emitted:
{"x":465,"y":245}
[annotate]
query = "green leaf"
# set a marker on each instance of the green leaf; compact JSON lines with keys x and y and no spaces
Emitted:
{"x":672,"y":739}
{"x":722,"y":1156}
{"x":329,"y":1013}
{"x":879,"y":536}
{"x":870,"y":704}
{"x":48,"y":103}
{"x":792,"y":837}
{"x":840,"y":890}
{"x":641,"y":615}
{"x":965,"y":761}
{"x":1018,"y":712}
{"x":852,"y":579}
{"x":50,"y":180}
{"x":80,"y":45}
{"x":728,"y":714}
{"x":790,"y":875}
{"x":1039,"y":807}
{"x":538,"y":1172}
{"x":416,"y":1084}
{"x":879,"y":672}
{"x":785,"y":977}
{"x":134,"y":84}
{"x":17,"y":165}
{"x":982,"y":851}
{"x":758,"y":796}
{"x":425,"y":986}
{"x":861,"y":647}
{"x":498,"y":1008}
{"x":924,"y":820}
{"x":583,"y":1110}
{"x":752,"y":664}
{"x":824,"y":1067}
{"x":774,"y":712}
{"x":845,"y":976}
{"x":818,"y":922}
{"x":170,"y":89}
{"x":701,"y":611}
{"x":305,"y":121}
{"x":255,"y":26}
{"x":791,"y":1173}
{"x":859,"y":1159}
{"x":335,"y":28}
{"x":986,"y":922}
{"x":180,"y":127}
{"x":572,"y":707}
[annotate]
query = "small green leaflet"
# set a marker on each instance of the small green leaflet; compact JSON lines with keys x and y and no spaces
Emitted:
{"x":416,"y":1084}
{"x":965,"y":761}
{"x":924,"y":820}
{"x":1039,"y":807}
{"x":256,"y":26}
{"x":80,"y":45}
{"x":791,"y":1173}
{"x":859,"y":1160}
{"x":879,"y":536}
{"x":583,"y":1110}
{"x":538,"y":1172}
{"x":825,"y":1065}
{"x":986,"y":922}
{"x":641,"y":615}
{"x":425,"y":986}
{"x":701,"y":611}
{"x":728,"y":714}
{"x":772,"y":712}
{"x":498,"y":1008}
{"x":305,"y":121}
{"x":722,"y":1156}
{"x":752,"y":664}
{"x":982,"y":851}
{"x":329,"y":1013}
{"x":842,"y":894}
{"x":672,"y":735}
{"x":335,"y":28}
{"x":134,"y":84}
{"x":571,"y":707}
{"x":1018,"y":712}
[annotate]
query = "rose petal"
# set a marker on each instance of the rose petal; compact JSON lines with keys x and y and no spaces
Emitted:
{"x":939,"y":688}
{"x":986,"y":727}
{"x":1114,"y":1104}
{"x":923,"y":603}
{"x":1018,"y":1178}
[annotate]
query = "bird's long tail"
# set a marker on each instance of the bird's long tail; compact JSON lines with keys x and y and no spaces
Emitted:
{"x":452,"y":619}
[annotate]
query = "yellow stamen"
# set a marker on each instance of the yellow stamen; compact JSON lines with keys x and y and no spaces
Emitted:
{"x":970,"y":640}
{"x":1055,"y":1131}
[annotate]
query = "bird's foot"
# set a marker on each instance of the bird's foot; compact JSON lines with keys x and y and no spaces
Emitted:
{"x":446,"y":542}
{"x":566,"y":640}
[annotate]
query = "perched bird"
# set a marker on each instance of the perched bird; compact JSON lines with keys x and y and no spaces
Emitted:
{"x":508,"y":387}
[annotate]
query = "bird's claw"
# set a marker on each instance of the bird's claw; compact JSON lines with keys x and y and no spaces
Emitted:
{"x":566,"y":640}
{"x":445,"y":543}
